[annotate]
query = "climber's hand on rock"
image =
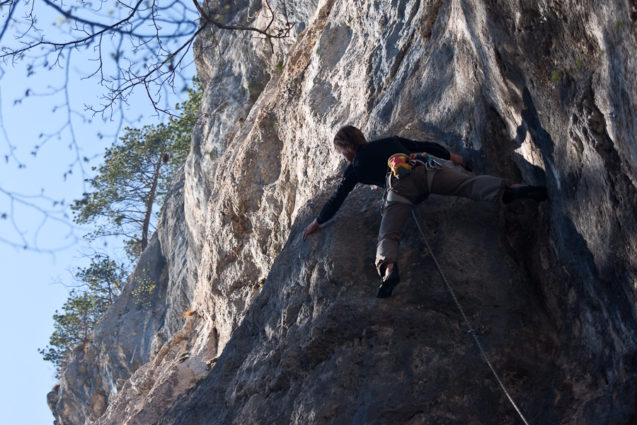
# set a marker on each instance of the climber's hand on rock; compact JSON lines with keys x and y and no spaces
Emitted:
{"x":457,"y":159}
{"x":311,"y":228}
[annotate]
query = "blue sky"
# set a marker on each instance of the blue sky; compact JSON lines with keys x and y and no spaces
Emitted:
{"x":30,"y":294}
{"x":32,"y":279}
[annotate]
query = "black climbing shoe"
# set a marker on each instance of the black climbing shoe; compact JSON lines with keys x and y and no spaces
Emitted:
{"x":387,"y":285}
{"x":537,"y":193}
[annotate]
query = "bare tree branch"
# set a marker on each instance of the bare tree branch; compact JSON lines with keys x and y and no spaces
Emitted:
{"x":279,"y":33}
{"x":12,"y":8}
{"x":124,"y":46}
{"x":55,"y":214}
{"x":162,"y":32}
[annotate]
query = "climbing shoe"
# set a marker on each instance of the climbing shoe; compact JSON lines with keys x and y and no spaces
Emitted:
{"x":387,"y":285}
{"x":537,"y":193}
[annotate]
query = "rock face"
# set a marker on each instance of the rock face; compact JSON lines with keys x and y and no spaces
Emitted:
{"x":250,"y":325}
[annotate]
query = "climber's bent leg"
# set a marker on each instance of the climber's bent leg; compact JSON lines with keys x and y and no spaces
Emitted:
{"x":395,"y":215}
{"x":449,"y":181}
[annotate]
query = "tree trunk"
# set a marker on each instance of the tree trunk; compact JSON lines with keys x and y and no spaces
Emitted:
{"x":149,"y":204}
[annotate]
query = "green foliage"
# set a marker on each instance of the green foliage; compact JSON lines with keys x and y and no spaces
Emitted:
{"x":555,"y":77}
{"x":72,"y":329}
{"x":126,"y":194}
{"x":254,"y":89}
{"x":104,"y":278}
{"x":102,"y":282}
{"x":144,"y":291}
{"x":130,"y":186}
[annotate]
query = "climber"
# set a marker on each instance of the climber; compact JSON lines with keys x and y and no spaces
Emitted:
{"x":410,"y":180}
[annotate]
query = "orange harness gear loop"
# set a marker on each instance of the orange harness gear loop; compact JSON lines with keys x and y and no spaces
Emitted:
{"x":399,"y":165}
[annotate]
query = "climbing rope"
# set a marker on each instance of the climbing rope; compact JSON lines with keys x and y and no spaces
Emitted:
{"x":466,"y":321}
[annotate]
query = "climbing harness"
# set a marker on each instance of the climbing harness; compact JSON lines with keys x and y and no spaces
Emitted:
{"x":425,"y":159}
{"x":401,"y":164}
{"x":392,"y":196}
{"x":470,"y":329}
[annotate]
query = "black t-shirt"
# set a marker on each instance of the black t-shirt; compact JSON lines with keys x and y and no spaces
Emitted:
{"x":369,"y":166}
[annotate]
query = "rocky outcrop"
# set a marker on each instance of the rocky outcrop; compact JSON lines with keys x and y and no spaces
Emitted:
{"x":282,"y":331}
{"x":149,"y":310}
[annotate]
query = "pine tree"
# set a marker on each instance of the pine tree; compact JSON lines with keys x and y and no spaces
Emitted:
{"x":131,"y":185}
{"x":101,"y":282}
{"x":128,"y":189}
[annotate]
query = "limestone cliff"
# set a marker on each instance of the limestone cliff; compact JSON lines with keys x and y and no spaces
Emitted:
{"x":250,"y":325}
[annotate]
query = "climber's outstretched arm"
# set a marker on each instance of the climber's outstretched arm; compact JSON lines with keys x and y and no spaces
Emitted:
{"x":311,"y":228}
{"x":457,"y":159}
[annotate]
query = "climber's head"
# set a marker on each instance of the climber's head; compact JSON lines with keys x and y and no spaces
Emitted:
{"x":347,"y":141}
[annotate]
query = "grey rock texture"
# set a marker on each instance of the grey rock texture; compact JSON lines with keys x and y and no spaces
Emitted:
{"x":148,"y":312}
{"x":280,"y":331}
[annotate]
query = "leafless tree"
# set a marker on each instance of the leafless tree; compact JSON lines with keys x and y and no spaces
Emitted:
{"x":132,"y":43}
{"x":124,"y":46}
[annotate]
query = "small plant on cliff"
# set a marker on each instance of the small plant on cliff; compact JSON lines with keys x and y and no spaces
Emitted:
{"x":144,"y":290}
{"x":555,"y":77}
{"x":100,"y":283}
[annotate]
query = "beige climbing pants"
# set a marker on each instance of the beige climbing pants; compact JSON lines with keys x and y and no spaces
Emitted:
{"x":403,"y":194}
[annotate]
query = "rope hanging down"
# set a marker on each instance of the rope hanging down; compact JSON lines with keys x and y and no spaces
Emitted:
{"x":466,"y":321}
